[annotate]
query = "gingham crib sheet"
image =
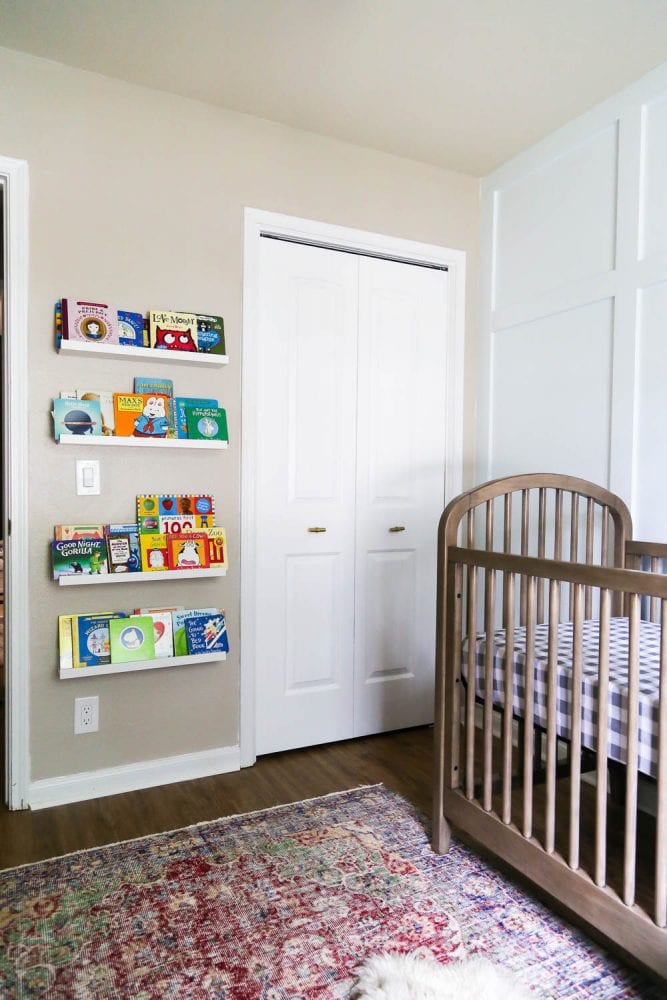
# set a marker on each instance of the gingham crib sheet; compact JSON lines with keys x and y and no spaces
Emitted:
{"x":649,"y":661}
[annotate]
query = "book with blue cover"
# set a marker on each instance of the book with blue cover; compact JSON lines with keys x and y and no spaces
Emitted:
{"x":131,"y":329}
{"x":90,"y":638}
{"x":179,"y":619}
{"x":206,"y":634}
{"x":81,"y":417}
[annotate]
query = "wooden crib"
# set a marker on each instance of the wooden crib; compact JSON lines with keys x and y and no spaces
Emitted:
{"x":547,"y":606}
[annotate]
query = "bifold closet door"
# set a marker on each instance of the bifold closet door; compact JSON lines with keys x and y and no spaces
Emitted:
{"x":400,"y":491}
{"x":305,"y":496}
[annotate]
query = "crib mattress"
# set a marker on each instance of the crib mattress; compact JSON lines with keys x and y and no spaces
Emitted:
{"x":649,"y":659}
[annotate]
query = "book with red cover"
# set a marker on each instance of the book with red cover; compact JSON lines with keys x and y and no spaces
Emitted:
{"x":188,"y":550}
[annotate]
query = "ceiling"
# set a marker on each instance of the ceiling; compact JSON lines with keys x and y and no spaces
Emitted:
{"x":463,"y":85}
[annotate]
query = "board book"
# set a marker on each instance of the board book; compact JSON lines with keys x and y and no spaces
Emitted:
{"x":130,"y":532}
{"x":83,"y":556}
{"x":132,"y":639}
{"x":188,"y":550}
{"x":105,"y":399}
{"x":65,"y":641}
{"x":172,"y":331}
{"x":74,"y":532}
{"x":79,"y":417}
{"x":90,"y":322}
{"x":206,"y":423}
{"x":142,"y":415}
{"x":163,"y":633}
{"x":179,"y":619}
{"x":90,"y":638}
{"x":211,"y":334}
{"x":154,"y":555}
{"x":206,"y":634}
{"x":180,"y":411}
{"x":217,"y":547}
{"x":174,"y":513}
{"x":131,"y":329}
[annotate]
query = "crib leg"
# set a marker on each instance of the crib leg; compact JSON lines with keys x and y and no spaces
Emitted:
{"x":442,"y":835}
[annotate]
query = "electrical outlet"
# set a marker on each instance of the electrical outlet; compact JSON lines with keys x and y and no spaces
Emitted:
{"x":86,"y":715}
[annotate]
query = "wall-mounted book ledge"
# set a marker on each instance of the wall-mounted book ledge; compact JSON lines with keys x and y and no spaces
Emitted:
{"x":81,"y":579}
{"x":93,"y":440}
{"x":142,"y":354}
{"x":69,"y":673}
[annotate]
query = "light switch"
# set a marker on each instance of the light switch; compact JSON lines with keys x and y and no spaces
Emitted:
{"x":87,"y":478}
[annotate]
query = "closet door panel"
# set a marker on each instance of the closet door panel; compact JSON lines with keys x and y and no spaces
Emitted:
{"x":400,"y":491}
{"x":305,"y":479}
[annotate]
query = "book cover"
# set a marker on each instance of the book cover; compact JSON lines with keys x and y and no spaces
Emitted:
{"x":160,"y":387}
{"x":73,"y":532}
{"x":131,"y":329}
{"x":119,"y":552}
{"x":188,"y":550}
{"x":175,"y":513}
{"x":91,"y":322}
{"x":217,"y":547}
{"x":85,"y":556}
{"x":153,"y":611}
{"x":179,"y":619}
{"x":180,"y":404}
{"x":76,"y":417}
{"x":105,"y":399}
{"x":132,"y":532}
{"x":211,"y":334}
{"x":141,"y":415}
{"x":206,"y":423}
{"x":65,"y":641}
{"x":154,"y":555}
{"x":206,"y":634}
{"x":132,"y":639}
{"x":163,"y":634}
{"x":172,"y":331}
{"x":90,"y":635}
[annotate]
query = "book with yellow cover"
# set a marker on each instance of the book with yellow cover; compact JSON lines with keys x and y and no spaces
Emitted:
{"x":154,"y":553}
{"x":172,"y":331}
{"x":217,"y":547}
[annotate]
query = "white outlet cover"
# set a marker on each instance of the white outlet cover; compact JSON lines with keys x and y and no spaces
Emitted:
{"x":87,"y":477}
{"x":86,"y":715}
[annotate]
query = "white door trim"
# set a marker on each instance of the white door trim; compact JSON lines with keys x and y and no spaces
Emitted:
{"x":256,"y":223}
{"x":14,"y":178}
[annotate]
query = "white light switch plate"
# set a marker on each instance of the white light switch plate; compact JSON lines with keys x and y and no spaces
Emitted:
{"x":87,"y":478}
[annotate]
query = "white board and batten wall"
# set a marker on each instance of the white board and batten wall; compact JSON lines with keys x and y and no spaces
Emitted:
{"x":350,"y":447}
{"x":573,"y":341}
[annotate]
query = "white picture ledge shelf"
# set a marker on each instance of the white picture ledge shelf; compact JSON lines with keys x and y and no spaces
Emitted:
{"x":141,"y":354}
{"x":95,"y":440}
{"x":80,"y":579}
{"x":69,"y":673}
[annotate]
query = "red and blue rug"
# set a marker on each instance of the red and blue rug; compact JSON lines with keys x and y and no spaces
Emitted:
{"x":282,"y":904}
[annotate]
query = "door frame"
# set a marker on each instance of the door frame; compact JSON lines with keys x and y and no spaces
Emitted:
{"x":256,"y":224}
{"x":14,"y":180}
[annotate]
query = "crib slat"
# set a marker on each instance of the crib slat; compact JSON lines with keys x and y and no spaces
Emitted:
{"x":525,"y":529}
{"x":471,"y":673}
{"x":507,"y":523}
{"x":458,"y":659}
{"x":576,"y":591}
{"x":630,"y":852}
{"x":487,"y":721}
{"x":529,"y":709}
{"x":541,"y":543}
{"x":661,"y":819}
{"x":590,"y":535}
{"x":574,"y":540}
{"x":552,"y":663}
{"x":655,"y":568}
{"x":604,"y":542}
{"x":508,"y":696}
{"x":602,"y":742}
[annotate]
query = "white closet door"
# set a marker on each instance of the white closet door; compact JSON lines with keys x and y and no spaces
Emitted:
{"x":305,"y":472}
{"x":400,"y":485}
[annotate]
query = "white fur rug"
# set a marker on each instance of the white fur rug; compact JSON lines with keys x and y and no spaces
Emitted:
{"x":402,"y":977}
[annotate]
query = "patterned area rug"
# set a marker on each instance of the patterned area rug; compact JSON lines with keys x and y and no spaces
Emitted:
{"x":280,"y":905}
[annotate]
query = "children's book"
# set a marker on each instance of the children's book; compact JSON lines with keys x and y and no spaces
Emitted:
{"x":131,"y":329}
{"x":206,"y":423}
{"x":217,"y":547}
{"x":163,"y":633}
{"x":105,"y":399}
{"x":153,"y":611}
{"x":211,"y":334}
{"x":73,"y":532}
{"x":162,"y":387}
{"x":131,"y":533}
{"x":91,"y":322}
{"x":58,"y":323}
{"x":80,"y":417}
{"x":188,"y":550}
{"x":90,"y":638}
{"x":85,"y":556}
{"x":179,"y":619}
{"x":206,"y":634}
{"x":119,"y":552}
{"x":174,"y":513}
{"x":180,"y":404}
{"x":172,"y":331}
{"x":154,"y":555}
{"x":142,"y":415}
{"x":65,"y":640}
{"x":132,"y":639}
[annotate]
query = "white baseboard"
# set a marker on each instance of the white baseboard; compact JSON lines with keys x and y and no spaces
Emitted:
{"x":132,"y":777}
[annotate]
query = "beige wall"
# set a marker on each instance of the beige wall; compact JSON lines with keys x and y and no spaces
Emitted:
{"x":138,"y":196}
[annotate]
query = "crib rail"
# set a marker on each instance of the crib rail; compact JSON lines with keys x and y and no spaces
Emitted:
{"x":524,"y":768}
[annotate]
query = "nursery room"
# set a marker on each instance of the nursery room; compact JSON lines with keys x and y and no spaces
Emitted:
{"x":334,"y":549}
